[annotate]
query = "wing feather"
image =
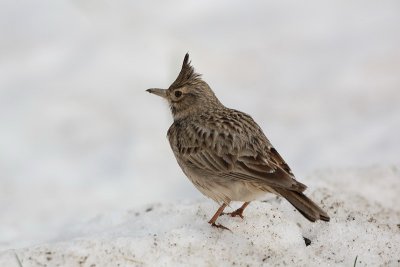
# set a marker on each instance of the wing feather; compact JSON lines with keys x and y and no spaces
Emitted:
{"x":225,"y":150}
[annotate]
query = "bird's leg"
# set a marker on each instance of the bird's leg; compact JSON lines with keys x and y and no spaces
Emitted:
{"x":215,"y":217}
{"x":239,"y":211}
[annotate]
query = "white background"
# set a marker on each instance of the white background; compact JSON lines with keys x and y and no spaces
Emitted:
{"x":80,"y":136}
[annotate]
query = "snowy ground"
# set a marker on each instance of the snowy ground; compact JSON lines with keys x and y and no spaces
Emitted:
{"x":177,"y":233}
{"x":80,"y":138}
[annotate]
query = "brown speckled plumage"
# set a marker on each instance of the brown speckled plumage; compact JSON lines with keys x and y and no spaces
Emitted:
{"x":224,"y":152}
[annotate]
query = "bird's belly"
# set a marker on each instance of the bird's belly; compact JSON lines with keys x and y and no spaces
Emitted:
{"x":225,"y":190}
{"x":222,"y":189}
{"x":242,"y":191}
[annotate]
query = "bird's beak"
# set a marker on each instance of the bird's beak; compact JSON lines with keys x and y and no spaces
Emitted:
{"x":159,"y":92}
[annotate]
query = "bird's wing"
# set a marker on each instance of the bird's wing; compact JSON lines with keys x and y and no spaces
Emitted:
{"x":242,"y":153}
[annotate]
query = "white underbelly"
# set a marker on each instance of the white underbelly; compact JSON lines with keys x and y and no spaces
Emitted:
{"x":229,"y":190}
{"x":224,"y":190}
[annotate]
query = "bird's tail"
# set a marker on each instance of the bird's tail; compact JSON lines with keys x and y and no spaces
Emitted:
{"x":304,"y":205}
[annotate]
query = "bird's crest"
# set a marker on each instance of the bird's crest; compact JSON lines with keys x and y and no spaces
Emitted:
{"x":187,"y":74}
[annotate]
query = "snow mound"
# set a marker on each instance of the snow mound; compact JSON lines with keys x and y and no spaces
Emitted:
{"x":364,"y":226}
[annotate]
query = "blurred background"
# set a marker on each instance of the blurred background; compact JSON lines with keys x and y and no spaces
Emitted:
{"x":79,"y":136}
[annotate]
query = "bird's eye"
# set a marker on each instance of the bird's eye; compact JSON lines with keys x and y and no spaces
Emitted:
{"x":178,"y":94}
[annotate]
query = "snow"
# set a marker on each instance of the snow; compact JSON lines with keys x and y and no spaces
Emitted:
{"x":81,"y":141}
{"x":271,"y":234}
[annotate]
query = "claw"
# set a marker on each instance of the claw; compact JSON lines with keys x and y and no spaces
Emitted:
{"x":239,"y":211}
{"x":235,"y":213}
{"x":220,"y":226}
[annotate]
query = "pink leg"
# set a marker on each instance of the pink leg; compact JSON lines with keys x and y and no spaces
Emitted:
{"x":239,"y":211}
{"x":215,"y":217}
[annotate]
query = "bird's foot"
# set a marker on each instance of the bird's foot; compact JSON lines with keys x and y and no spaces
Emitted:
{"x":238,"y":212}
{"x":220,"y":226}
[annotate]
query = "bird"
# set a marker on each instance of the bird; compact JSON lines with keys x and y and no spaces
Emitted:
{"x":224,"y":152}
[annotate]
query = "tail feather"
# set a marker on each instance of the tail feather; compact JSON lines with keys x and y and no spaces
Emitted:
{"x":304,"y":205}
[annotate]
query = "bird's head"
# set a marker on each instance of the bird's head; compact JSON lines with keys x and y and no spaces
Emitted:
{"x":188,"y":94}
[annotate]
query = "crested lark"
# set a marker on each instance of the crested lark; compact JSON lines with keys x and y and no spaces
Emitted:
{"x":224,"y":153}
